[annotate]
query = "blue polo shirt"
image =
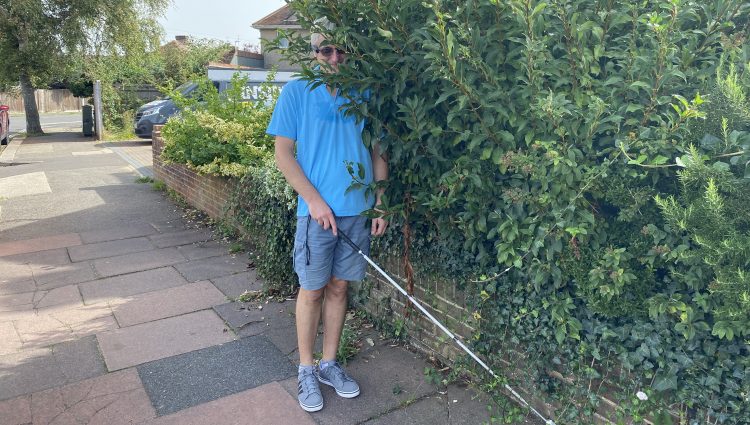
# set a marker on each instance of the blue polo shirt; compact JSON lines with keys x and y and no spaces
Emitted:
{"x":325,"y":141}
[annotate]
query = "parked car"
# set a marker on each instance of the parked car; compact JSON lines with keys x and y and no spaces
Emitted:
{"x":157,"y":112}
{"x":4,"y":124}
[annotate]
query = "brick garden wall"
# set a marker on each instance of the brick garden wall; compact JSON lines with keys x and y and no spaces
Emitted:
{"x":206,"y":193}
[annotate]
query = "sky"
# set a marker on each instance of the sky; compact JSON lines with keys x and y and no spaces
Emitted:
{"x":227,"y":20}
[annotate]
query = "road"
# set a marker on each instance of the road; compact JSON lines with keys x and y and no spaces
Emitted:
{"x":50,"y":121}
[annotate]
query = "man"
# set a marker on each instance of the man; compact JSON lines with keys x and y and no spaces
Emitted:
{"x":310,"y":121}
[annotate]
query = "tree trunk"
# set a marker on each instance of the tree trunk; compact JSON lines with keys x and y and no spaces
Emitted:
{"x":33,"y":126}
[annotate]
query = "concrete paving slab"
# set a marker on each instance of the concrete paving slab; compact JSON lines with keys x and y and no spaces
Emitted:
{"x":163,"y":338}
{"x":51,"y":257}
{"x":54,"y":276}
{"x":138,"y":261}
{"x":117,"y":398}
{"x":132,"y":230}
{"x":247,"y":319}
{"x":13,"y":272}
{"x":387,"y":377}
{"x":265,"y":405}
{"x":96,"y":152}
{"x":11,"y":341}
{"x":213,"y":267}
{"x":65,"y":295}
{"x":183,"y":237}
{"x":17,"y":286}
{"x":39,"y":244}
{"x":130,"y":284}
{"x":79,"y":359}
{"x":109,"y":249}
{"x":47,"y":329}
{"x":16,"y":411}
{"x":200,"y":250}
{"x":179,"y":382}
{"x":17,"y":301}
{"x":24,"y":185}
{"x":430,"y":410}
{"x":235,"y":285}
{"x":28,"y":371}
{"x":170,"y":226}
{"x":285,"y":339}
{"x":166,"y":303}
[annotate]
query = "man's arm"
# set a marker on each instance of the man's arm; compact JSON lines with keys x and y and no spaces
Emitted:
{"x":289,"y":167}
{"x":380,"y":172}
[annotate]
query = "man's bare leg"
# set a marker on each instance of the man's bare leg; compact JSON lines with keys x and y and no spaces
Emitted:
{"x":334,"y":314}
{"x":308,"y":316}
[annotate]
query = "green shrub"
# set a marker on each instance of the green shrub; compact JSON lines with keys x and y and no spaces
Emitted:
{"x":220,"y":134}
{"x":527,"y":144}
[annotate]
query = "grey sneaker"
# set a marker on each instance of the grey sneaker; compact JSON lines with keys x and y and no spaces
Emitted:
{"x":310,"y":397}
{"x":335,"y":376}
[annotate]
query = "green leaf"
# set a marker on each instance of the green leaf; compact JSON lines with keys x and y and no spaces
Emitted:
{"x":385,"y":33}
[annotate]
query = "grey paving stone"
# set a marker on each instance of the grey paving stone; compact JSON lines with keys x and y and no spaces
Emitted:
{"x":130,"y":284}
{"x":431,"y":410}
{"x":27,"y":372}
{"x":179,"y":382}
{"x":109,"y":249}
{"x":378,"y":373}
{"x":248,"y":319}
{"x":79,"y":359}
{"x":182,"y":237}
{"x":34,"y":370}
{"x":209,"y":268}
{"x":199,"y":250}
{"x":54,"y":276}
{"x":133,"y":230}
{"x":235,"y":285}
{"x":138,"y":261}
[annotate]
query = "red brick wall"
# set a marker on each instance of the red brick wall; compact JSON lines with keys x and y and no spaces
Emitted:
{"x":206,"y":193}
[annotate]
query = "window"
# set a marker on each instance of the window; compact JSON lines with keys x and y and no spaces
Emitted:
{"x":283,"y":42}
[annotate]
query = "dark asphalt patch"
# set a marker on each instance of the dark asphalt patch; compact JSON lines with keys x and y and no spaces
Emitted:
{"x":183,"y":381}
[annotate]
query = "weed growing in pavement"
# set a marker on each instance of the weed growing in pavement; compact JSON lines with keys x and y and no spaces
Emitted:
{"x":145,"y":179}
{"x":349,"y":345}
{"x":236,"y":247}
{"x":159,"y":185}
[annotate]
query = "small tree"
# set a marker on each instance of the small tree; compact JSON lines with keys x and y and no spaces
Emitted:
{"x":43,"y":40}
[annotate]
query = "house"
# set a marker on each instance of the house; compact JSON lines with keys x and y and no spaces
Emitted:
{"x":270,"y":27}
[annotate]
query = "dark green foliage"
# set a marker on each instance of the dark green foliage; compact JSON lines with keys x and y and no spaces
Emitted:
{"x":527,"y":142}
{"x":265,"y":206}
{"x":223,"y":133}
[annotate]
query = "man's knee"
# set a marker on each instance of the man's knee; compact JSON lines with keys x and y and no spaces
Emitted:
{"x":336,"y":288}
{"x":314,"y":296}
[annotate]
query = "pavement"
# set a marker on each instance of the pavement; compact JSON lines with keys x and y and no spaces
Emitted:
{"x":115,"y":309}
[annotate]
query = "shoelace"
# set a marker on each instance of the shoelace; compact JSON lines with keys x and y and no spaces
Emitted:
{"x":308,"y":381}
{"x":339,"y":373}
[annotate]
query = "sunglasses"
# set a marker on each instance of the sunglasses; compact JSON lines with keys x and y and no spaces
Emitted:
{"x":327,"y":51}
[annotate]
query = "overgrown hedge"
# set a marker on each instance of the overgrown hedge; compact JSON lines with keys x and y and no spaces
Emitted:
{"x":583,"y":166}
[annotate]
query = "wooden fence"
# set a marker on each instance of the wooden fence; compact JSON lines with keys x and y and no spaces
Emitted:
{"x":58,"y":100}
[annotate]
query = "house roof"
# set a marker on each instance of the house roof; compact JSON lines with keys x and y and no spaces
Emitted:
{"x":283,"y":17}
{"x":220,"y":65}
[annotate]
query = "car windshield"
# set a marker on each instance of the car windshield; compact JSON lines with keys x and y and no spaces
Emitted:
{"x":185,"y":89}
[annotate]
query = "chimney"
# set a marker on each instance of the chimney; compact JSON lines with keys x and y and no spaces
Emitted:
{"x":182,"y":39}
